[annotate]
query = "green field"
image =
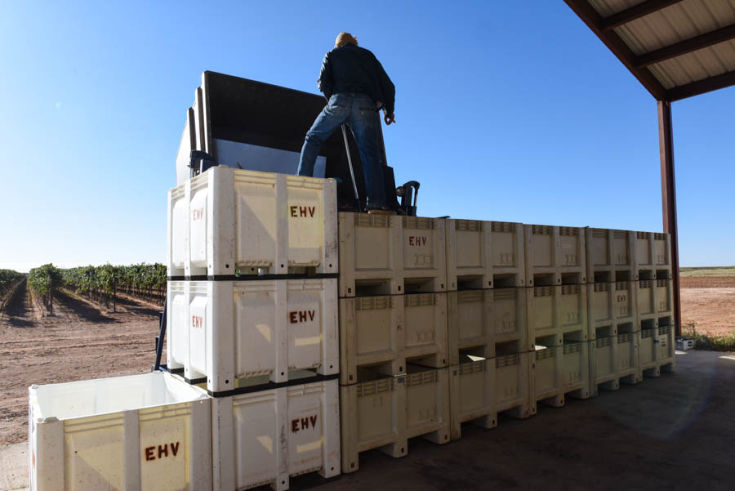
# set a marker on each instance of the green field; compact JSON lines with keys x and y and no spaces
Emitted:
{"x":708,"y":271}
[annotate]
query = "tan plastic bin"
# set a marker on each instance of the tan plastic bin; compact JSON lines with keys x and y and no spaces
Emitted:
{"x":145,"y":431}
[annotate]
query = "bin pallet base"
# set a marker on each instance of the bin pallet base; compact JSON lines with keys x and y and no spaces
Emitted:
{"x":499,"y":279}
{"x":283,"y":484}
{"x":615,"y":383}
{"x":559,"y":333}
{"x":611,"y":271}
{"x":658,"y":368}
{"x":559,"y":399}
{"x":556,"y":277}
{"x":652,"y":273}
{"x":523,"y":410}
{"x":487,"y":422}
{"x":396,"y":449}
{"x":397,"y":366}
{"x":397,"y":285}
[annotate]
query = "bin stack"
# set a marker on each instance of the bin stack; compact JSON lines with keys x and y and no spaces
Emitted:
{"x":655,"y":302}
{"x":613,"y":309}
{"x":488,"y":339}
{"x":531,"y":314}
{"x":556,"y":296}
{"x":630,"y":299}
{"x":314,"y":335}
{"x":252,"y":318}
{"x":393,"y":333}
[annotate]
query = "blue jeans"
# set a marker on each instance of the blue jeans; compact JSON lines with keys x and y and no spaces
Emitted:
{"x":360,"y":113}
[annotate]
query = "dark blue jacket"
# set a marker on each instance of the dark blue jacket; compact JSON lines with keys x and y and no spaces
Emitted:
{"x":350,"y":68}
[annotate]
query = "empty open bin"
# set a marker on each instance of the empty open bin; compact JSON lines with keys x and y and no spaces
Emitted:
{"x":146,"y":431}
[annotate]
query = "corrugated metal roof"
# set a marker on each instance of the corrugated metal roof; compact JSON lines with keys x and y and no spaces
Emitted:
{"x":666,"y":27}
{"x":699,"y":65}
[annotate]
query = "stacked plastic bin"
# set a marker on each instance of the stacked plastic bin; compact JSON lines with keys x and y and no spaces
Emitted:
{"x":252,"y":317}
{"x":393,"y":331}
{"x":613,"y":308}
{"x":654,"y":300}
{"x":489,"y":347}
{"x":556,"y":300}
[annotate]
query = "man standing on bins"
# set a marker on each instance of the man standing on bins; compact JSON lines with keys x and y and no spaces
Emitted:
{"x":357,"y":87}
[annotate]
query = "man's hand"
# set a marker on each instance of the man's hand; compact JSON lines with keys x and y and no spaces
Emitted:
{"x":389,"y":118}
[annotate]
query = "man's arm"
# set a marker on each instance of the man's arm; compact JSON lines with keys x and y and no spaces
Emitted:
{"x":325,"y":82}
{"x":388,"y":90}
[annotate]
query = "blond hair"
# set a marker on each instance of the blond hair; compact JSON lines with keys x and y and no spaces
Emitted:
{"x":345,"y":38}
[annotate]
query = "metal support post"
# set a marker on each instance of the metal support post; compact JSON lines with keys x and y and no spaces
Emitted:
{"x":668,"y":197}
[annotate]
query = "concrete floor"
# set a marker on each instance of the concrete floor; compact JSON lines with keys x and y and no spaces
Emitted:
{"x":673,"y":432}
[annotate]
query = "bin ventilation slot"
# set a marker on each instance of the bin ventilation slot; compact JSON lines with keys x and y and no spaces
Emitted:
{"x":420,"y":378}
{"x":504,"y":294}
{"x":570,"y":289}
{"x":603,"y":342}
{"x":419,"y":300}
{"x":468,"y":225}
{"x":469,"y":296}
{"x":625,"y":338}
{"x":373,"y":303}
{"x":602,"y":287}
{"x":366,"y":220}
{"x":542,"y":230}
{"x":503,"y":227}
{"x":375,"y":387}
{"x":507,"y":360}
{"x":572,"y":348}
{"x":472,"y":367}
{"x":418,"y":223}
{"x":544,"y":353}
{"x":543,"y":291}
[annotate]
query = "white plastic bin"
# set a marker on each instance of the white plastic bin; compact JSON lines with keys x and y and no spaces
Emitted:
{"x":265,"y":437}
{"x":609,"y":251}
{"x":226,"y":221}
{"x":145,"y":431}
{"x":653,"y":252}
{"x":232,"y":331}
{"x":391,"y":254}
{"x":555,"y":251}
{"x":479,"y":250}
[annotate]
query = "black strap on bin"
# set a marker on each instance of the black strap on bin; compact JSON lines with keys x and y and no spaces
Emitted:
{"x":161,"y":335}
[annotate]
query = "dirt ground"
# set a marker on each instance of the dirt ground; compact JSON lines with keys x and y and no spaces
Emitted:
{"x":81,"y":340}
{"x":709,"y":303}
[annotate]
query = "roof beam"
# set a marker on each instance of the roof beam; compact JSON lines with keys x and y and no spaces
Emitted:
{"x":686,"y":46}
{"x":594,"y":21}
{"x":700,"y":86}
{"x":634,"y":12}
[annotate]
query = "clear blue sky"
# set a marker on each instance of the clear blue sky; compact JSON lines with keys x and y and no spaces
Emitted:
{"x":508,"y":111}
